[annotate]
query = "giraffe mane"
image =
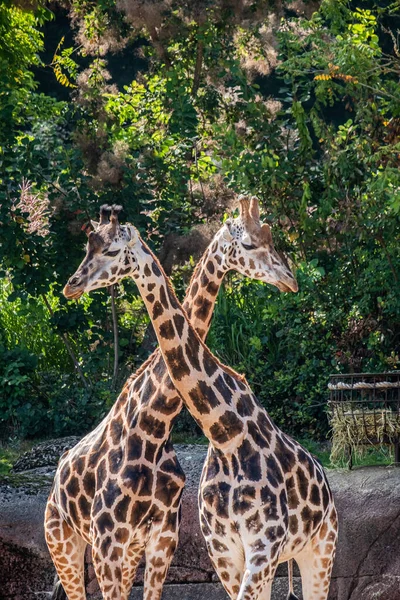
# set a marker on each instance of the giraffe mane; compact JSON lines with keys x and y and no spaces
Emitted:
{"x":142,"y":368}
{"x":197,"y":270}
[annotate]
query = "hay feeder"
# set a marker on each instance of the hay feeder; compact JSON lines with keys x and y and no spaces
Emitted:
{"x":364,"y":411}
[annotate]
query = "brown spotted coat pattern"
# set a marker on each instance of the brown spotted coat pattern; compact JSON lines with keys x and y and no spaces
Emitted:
{"x":263,"y":498}
{"x":120,"y":488}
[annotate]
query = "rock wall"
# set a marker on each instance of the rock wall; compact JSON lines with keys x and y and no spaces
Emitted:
{"x":367,"y":566}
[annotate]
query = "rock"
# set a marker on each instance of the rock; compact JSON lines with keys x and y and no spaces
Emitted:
{"x":25,"y":565}
{"x":24,"y":574}
{"x":200,"y":591}
{"x":46,"y":454}
{"x":367,"y":566}
{"x":197,"y":591}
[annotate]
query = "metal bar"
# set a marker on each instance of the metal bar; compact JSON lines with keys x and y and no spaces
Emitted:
{"x":347,"y":375}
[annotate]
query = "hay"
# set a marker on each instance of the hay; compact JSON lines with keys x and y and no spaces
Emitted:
{"x":354,"y":430}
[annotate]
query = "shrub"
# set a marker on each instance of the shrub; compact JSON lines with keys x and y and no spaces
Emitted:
{"x":20,"y":404}
{"x":288,"y":344}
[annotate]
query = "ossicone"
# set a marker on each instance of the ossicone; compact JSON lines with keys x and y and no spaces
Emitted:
{"x":115,"y":210}
{"x":244,"y":207}
{"x":255,"y":209}
{"x":249,"y":209}
{"x":105,"y":212}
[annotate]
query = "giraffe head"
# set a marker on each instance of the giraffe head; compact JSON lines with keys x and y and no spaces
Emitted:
{"x":247,"y":247}
{"x":244,"y":243}
{"x":109,"y":255}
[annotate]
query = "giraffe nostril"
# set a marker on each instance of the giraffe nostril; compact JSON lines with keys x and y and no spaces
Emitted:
{"x":74,"y":280}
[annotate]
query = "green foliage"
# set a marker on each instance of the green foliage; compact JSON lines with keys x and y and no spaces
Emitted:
{"x":287,"y":345}
{"x":25,"y":324}
{"x":17,"y":407}
{"x":316,"y":139}
{"x":62,"y":62}
{"x":10,"y":451}
{"x":20,"y":43}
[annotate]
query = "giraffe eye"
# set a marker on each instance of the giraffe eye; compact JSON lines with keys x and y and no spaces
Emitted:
{"x":249,"y":246}
{"x":112,"y":253}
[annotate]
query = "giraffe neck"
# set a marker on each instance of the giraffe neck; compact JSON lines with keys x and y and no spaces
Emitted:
{"x":207,"y":388}
{"x":199,"y":304}
{"x":204,"y":286}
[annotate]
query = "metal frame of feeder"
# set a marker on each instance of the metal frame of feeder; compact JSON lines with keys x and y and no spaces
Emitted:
{"x":366,"y":395}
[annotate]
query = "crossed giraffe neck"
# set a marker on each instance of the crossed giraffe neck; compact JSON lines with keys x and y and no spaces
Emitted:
{"x":198,"y":305}
{"x":196,"y":374}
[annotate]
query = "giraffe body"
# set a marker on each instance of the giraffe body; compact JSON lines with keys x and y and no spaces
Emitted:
{"x":259,"y":509}
{"x":263,"y":498}
{"x":119,"y":489}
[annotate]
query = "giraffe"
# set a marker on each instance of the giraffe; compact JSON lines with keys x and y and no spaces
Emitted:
{"x":134,"y":437}
{"x":263,"y":499}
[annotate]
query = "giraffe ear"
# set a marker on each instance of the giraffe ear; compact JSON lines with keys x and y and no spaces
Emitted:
{"x":94,"y":224}
{"x":226,"y":235}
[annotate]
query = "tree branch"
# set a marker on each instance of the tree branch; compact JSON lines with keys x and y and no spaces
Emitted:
{"x":159,"y":46}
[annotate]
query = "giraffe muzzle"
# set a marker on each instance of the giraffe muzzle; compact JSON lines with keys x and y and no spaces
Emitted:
{"x":288,"y":286}
{"x":71,"y":290}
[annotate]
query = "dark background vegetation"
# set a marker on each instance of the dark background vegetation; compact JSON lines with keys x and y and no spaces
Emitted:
{"x":172,"y":108}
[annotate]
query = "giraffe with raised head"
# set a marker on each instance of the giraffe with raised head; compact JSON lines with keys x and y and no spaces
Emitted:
{"x":263,"y":498}
{"x":126,"y":471}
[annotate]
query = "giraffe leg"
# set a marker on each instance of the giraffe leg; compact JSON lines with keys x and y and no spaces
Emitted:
{"x":257,"y":581}
{"x":230,"y":575}
{"x":67,"y":550}
{"x":316,"y":560}
{"x":160,"y":550}
{"x":229,"y":565}
{"x":115,"y":567}
{"x":130,"y":564}
{"x":262,"y":557}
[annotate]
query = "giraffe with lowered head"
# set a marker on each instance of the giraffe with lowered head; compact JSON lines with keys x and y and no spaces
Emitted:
{"x":126,"y":471}
{"x":263,"y":498}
